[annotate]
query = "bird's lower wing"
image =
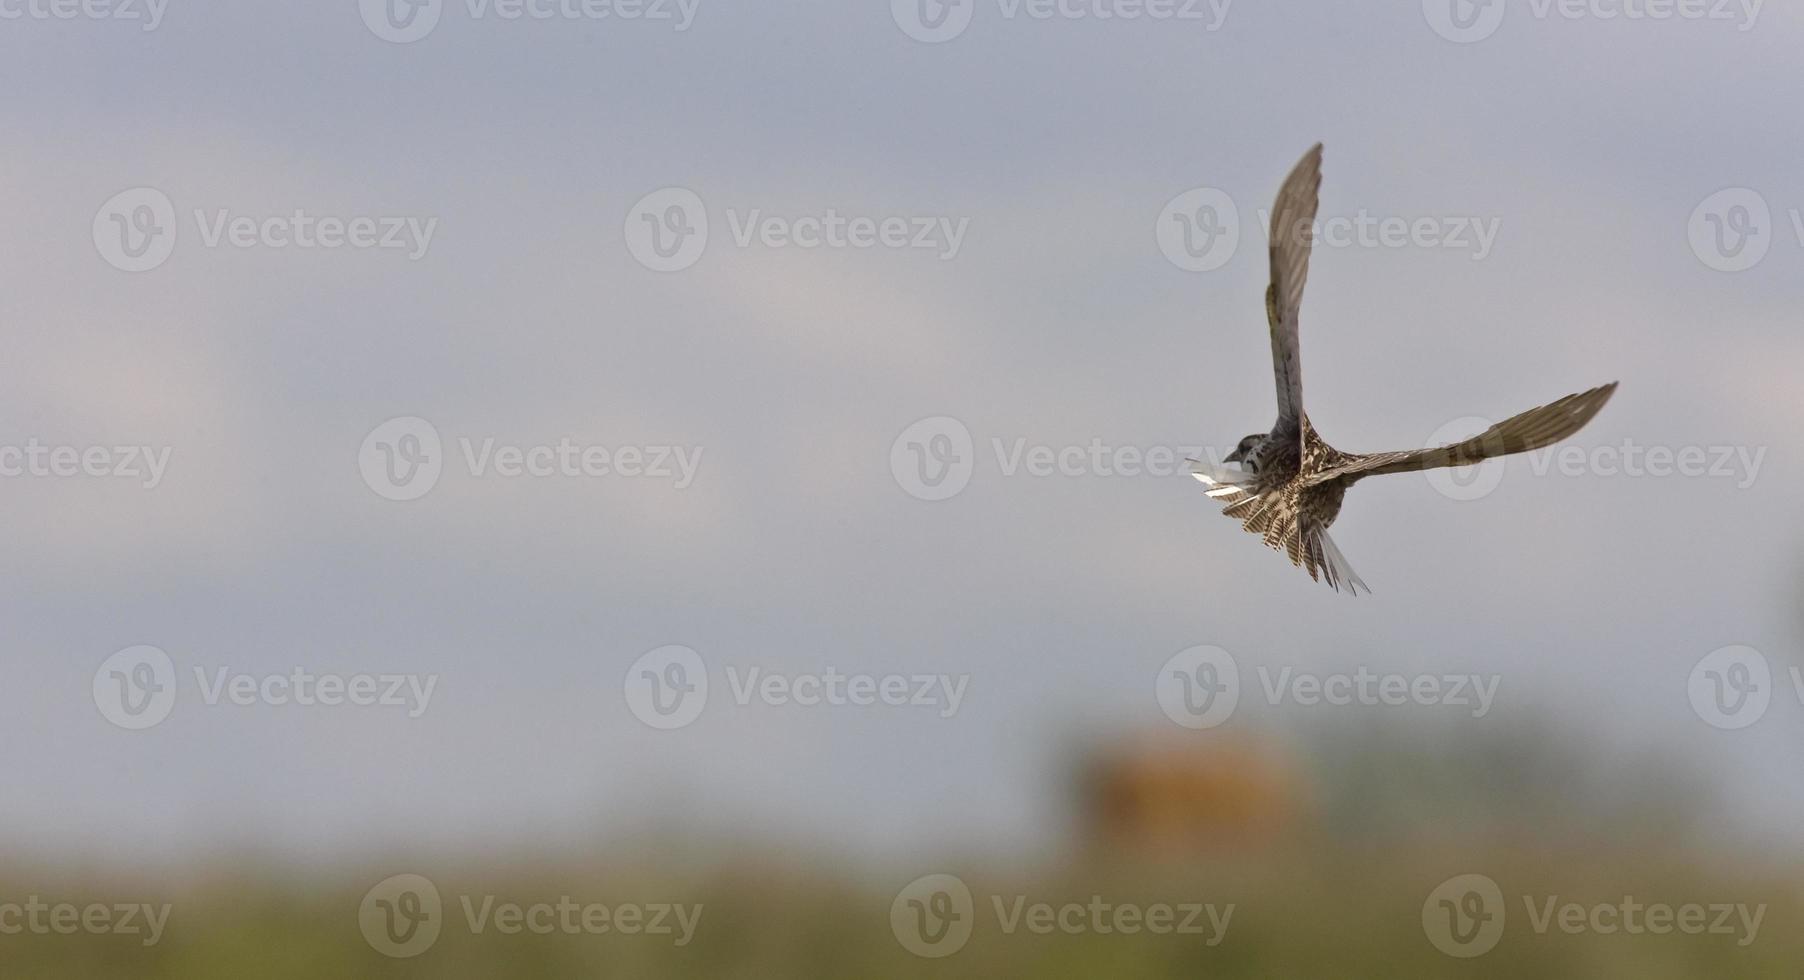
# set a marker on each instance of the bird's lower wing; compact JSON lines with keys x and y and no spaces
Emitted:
{"x":1533,"y":429}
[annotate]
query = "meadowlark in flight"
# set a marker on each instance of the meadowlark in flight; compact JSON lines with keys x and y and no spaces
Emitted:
{"x":1288,"y":484}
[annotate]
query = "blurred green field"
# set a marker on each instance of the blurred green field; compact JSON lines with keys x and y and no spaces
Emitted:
{"x":1294,"y":913}
{"x":1353,"y":881}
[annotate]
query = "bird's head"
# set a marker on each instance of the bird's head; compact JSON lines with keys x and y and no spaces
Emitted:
{"x":1245,"y":454}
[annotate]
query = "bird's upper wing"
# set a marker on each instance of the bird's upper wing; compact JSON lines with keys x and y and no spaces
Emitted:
{"x":1533,"y":429}
{"x":1292,"y":231}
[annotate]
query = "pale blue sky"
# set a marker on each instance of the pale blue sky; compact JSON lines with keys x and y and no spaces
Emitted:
{"x":1588,"y":142}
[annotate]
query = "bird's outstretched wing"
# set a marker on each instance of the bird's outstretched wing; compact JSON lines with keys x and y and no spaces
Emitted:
{"x":1533,"y":429}
{"x":1292,"y":232}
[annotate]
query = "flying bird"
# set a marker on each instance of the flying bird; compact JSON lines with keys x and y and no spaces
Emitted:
{"x":1289,"y":483}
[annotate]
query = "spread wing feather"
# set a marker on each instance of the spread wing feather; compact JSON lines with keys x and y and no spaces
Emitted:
{"x":1292,"y":233}
{"x":1532,"y":429}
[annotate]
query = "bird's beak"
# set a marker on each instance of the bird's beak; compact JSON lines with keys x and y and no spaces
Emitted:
{"x":1234,"y":457}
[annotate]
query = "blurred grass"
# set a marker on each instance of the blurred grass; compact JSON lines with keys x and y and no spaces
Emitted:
{"x":1298,"y":912}
{"x":1369,"y":821}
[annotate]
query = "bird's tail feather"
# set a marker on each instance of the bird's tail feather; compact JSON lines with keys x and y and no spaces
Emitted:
{"x":1282,"y":527}
{"x":1336,"y":571}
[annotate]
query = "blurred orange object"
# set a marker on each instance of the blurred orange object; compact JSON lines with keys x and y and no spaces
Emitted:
{"x":1189,"y":795}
